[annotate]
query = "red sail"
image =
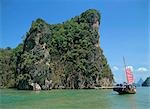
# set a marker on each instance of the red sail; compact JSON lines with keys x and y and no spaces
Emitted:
{"x":129,"y":75}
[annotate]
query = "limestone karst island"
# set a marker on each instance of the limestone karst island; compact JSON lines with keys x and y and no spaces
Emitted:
{"x":53,"y":56}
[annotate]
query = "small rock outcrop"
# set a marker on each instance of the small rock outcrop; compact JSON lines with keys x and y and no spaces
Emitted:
{"x":36,"y":86}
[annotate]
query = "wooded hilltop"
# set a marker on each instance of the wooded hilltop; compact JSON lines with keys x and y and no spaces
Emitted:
{"x":66,"y":55}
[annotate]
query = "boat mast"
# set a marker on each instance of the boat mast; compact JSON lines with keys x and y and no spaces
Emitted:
{"x":124,"y":66}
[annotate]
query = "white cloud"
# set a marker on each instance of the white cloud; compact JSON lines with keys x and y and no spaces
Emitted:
{"x":142,"y":69}
{"x":115,"y":68}
{"x":131,"y":67}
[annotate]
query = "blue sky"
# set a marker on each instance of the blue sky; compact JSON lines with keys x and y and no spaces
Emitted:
{"x":124,"y":29}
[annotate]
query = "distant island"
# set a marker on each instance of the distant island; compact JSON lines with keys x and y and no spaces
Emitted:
{"x":146,"y":83}
{"x":139,"y":83}
{"x":56,"y":56}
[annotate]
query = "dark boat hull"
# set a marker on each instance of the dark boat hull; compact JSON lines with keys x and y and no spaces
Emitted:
{"x":122,"y":90}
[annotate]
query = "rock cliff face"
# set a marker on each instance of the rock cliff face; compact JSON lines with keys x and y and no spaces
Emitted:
{"x":66,"y":55}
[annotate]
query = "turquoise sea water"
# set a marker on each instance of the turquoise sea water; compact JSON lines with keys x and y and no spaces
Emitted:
{"x":74,"y":99}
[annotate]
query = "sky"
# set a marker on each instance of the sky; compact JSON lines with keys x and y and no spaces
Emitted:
{"x":124,"y":28}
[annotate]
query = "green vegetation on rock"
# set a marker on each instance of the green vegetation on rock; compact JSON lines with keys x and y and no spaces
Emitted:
{"x":64,"y":55}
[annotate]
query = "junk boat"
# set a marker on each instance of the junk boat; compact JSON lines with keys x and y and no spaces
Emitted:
{"x":126,"y":88}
